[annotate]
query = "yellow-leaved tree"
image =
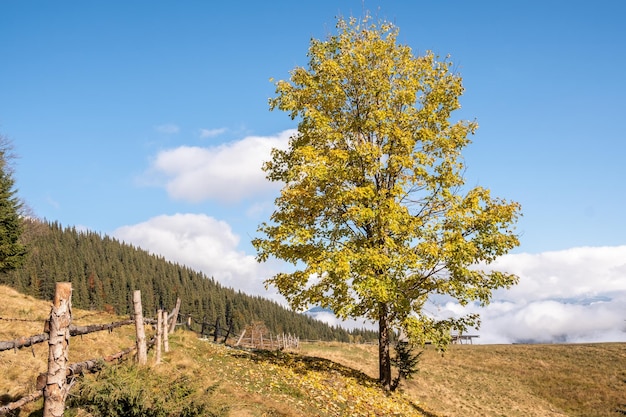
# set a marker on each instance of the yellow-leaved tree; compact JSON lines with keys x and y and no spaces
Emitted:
{"x":374,"y":214}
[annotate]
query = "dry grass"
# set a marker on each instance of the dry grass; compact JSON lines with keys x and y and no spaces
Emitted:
{"x":334,"y":379}
{"x":526,"y":380}
{"x":22,"y":315}
{"x":509,"y":380}
{"x":233,"y":382}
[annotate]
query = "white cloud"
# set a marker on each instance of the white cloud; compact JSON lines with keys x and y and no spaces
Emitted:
{"x":228,"y":172}
{"x":201,"y":243}
{"x":332,"y":320}
{"x":209,"y":133}
{"x":168,"y":129}
{"x":574,"y":295}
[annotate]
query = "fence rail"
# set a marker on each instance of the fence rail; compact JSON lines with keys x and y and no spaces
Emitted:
{"x":54,"y":385}
{"x":255,"y":336}
{"x":26,"y":341}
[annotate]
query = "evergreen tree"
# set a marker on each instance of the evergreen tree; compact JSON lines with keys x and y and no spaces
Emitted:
{"x":12,"y":251}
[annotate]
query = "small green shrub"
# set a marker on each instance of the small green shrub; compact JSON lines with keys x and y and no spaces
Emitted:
{"x":406,"y":361}
{"x":132,"y":391}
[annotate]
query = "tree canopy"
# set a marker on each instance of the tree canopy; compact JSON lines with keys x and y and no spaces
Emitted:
{"x":374,"y":213}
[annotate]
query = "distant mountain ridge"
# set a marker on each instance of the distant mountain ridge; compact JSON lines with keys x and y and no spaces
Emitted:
{"x":105,"y":271}
{"x":317,"y":310}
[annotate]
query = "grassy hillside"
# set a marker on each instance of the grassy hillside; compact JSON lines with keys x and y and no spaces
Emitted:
{"x":326,"y":379}
{"x":508,"y":380}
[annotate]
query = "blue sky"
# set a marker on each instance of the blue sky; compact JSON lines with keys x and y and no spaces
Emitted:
{"x":147,"y":120}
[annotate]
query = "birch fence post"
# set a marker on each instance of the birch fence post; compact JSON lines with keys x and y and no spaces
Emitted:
{"x":166,"y":340}
{"x":142,"y":350}
{"x":58,"y":328}
{"x":159,"y":333}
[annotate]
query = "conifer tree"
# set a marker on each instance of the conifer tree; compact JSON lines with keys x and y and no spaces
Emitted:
{"x":12,"y":251}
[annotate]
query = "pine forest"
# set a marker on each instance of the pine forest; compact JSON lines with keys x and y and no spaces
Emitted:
{"x":104,"y":272}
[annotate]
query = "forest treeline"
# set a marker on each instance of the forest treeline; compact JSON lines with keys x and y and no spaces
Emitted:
{"x":104,"y":272}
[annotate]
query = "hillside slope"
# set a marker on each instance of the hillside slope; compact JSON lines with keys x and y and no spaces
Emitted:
{"x":321,"y":379}
{"x":584,"y":380}
{"x":213,"y":379}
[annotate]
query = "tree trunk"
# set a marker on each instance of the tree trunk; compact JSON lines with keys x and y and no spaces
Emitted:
{"x":384,"y":358}
{"x":56,"y":389}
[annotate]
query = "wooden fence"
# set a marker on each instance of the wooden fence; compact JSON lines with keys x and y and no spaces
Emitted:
{"x":54,"y":385}
{"x":255,"y":336}
{"x":463,"y":338}
{"x":264,"y":341}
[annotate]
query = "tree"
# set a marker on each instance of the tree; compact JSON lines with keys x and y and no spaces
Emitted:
{"x":405,"y":360}
{"x":12,"y":251}
{"x":374,"y":214}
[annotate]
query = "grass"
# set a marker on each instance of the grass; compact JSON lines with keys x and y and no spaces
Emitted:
{"x":508,"y":380}
{"x":319,"y":379}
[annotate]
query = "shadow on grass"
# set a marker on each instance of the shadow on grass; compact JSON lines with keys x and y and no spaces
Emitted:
{"x":422,"y":411}
{"x":302,"y":364}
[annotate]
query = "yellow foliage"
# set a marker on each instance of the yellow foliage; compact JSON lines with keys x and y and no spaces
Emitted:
{"x":374,"y":212}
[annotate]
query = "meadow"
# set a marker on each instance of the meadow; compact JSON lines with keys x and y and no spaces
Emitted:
{"x":198,"y":377}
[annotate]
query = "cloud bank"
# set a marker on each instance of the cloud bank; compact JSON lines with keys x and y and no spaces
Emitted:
{"x":573,"y":295}
{"x":226,"y":173}
{"x":201,"y":243}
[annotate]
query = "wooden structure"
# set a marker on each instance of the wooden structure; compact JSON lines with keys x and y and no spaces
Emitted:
{"x":460,"y":338}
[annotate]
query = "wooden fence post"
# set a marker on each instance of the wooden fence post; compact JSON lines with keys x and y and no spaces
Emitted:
{"x":166,"y":340}
{"x":159,"y":333}
{"x":241,"y":337}
{"x":58,"y":328}
{"x":175,"y":315}
{"x":230,"y":329}
{"x":142,"y":350}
